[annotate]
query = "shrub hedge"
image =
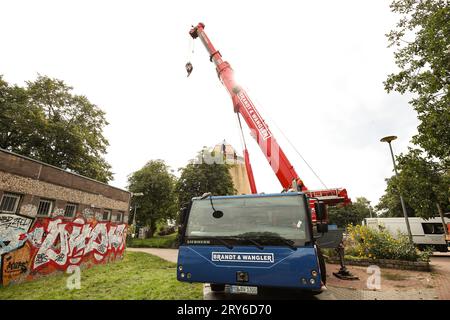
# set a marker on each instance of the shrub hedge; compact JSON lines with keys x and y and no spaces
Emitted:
{"x":365,"y":242}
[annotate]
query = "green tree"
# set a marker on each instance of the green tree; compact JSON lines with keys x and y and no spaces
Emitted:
{"x":389,"y":205}
{"x":159,"y":201}
{"x":20,"y":123}
{"x":199,"y":177}
{"x":47,"y":122}
{"x":422,"y":40}
{"x":351,"y":214}
{"x":424,"y":184}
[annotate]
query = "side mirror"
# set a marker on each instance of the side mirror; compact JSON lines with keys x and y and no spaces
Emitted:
{"x":217,"y":214}
{"x":320,"y":209}
{"x":183,"y":215}
{"x":322,"y":227}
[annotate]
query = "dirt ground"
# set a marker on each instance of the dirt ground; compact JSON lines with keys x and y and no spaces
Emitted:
{"x":395,"y":284}
{"x":390,"y":278}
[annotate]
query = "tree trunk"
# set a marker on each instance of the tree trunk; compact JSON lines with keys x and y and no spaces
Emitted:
{"x":151,"y":228}
{"x":442,"y":218}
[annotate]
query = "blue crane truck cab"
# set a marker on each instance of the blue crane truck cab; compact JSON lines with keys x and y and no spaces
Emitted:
{"x":257,"y":240}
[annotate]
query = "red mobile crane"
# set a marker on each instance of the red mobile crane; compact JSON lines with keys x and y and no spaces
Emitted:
{"x":280,"y":164}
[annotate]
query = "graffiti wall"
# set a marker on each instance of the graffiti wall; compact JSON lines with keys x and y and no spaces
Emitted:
{"x":31,"y":247}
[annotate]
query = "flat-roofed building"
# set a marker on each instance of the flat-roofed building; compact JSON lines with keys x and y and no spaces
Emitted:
{"x":52,"y":218}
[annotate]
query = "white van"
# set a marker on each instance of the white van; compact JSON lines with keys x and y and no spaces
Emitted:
{"x":425,"y":232}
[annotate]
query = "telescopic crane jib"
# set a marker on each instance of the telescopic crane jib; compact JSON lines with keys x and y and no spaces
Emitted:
{"x":243,"y":106}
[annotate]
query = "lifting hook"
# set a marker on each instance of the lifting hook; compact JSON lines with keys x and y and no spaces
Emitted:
{"x":189,"y":68}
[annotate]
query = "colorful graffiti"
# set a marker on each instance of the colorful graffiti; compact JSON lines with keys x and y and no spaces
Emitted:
{"x":28,"y":250}
{"x":16,"y":265}
{"x":12,"y":228}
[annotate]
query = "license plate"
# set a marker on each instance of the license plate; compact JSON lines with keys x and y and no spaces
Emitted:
{"x":244,"y":289}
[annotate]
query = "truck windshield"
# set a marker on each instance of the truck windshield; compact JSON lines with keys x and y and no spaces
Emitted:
{"x":261,"y":218}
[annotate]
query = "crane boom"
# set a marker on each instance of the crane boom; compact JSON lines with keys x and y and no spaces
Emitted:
{"x":243,"y":105}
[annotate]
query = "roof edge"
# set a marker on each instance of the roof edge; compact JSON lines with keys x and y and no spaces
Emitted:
{"x":60,"y":169}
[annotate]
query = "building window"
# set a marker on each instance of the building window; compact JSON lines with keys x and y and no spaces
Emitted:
{"x":433,"y":228}
{"x":119,"y":216}
{"x":10,"y":202}
{"x":106,"y":215}
{"x":45,"y":207}
{"x":70,"y":210}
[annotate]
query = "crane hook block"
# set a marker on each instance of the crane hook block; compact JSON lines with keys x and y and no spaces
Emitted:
{"x":189,"y":68}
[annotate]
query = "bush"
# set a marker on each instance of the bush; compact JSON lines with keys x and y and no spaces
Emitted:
{"x":167,"y":230}
{"x":365,"y":242}
{"x":329,"y":252}
{"x":168,"y":241}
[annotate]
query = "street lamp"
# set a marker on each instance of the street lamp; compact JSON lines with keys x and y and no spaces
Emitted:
{"x":137,"y":194}
{"x":389,"y":139}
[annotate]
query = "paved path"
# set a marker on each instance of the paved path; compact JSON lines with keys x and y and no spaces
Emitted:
{"x":166,"y":254}
{"x":441,"y":266}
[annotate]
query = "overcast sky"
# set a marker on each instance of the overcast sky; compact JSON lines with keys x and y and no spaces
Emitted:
{"x":314,"y":68}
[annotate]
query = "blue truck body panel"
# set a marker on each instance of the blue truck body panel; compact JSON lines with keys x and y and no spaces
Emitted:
{"x":273,"y":266}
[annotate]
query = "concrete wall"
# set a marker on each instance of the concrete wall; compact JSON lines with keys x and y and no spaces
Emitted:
{"x":32,"y":246}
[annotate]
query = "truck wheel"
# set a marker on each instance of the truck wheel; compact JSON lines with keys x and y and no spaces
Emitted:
{"x":322,"y":266}
{"x":217,"y":287}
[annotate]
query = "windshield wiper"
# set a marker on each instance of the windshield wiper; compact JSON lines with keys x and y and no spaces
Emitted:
{"x":256,"y":243}
{"x":229,"y":246}
{"x":268,"y":236}
{"x":288,"y":242}
{"x":225,"y":243}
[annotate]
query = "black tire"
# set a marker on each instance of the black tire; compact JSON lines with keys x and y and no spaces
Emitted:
{"x":322,"y":266}
{"x":217,"y":287}
{"x":315,"y":293}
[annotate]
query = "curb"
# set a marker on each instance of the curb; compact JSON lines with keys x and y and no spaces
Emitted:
{"x":386,"y":263}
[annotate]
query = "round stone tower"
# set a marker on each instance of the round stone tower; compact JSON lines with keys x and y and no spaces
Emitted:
{"x":237,"y":171}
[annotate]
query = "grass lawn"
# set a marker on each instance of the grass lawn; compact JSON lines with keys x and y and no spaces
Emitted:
{"x":138,"y":276}
{"x":154,"y":242}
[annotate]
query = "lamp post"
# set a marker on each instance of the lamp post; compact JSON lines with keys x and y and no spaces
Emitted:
{"x":138,"y":194}
{"x":370,"y":210}
{"x":389,"y":139}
